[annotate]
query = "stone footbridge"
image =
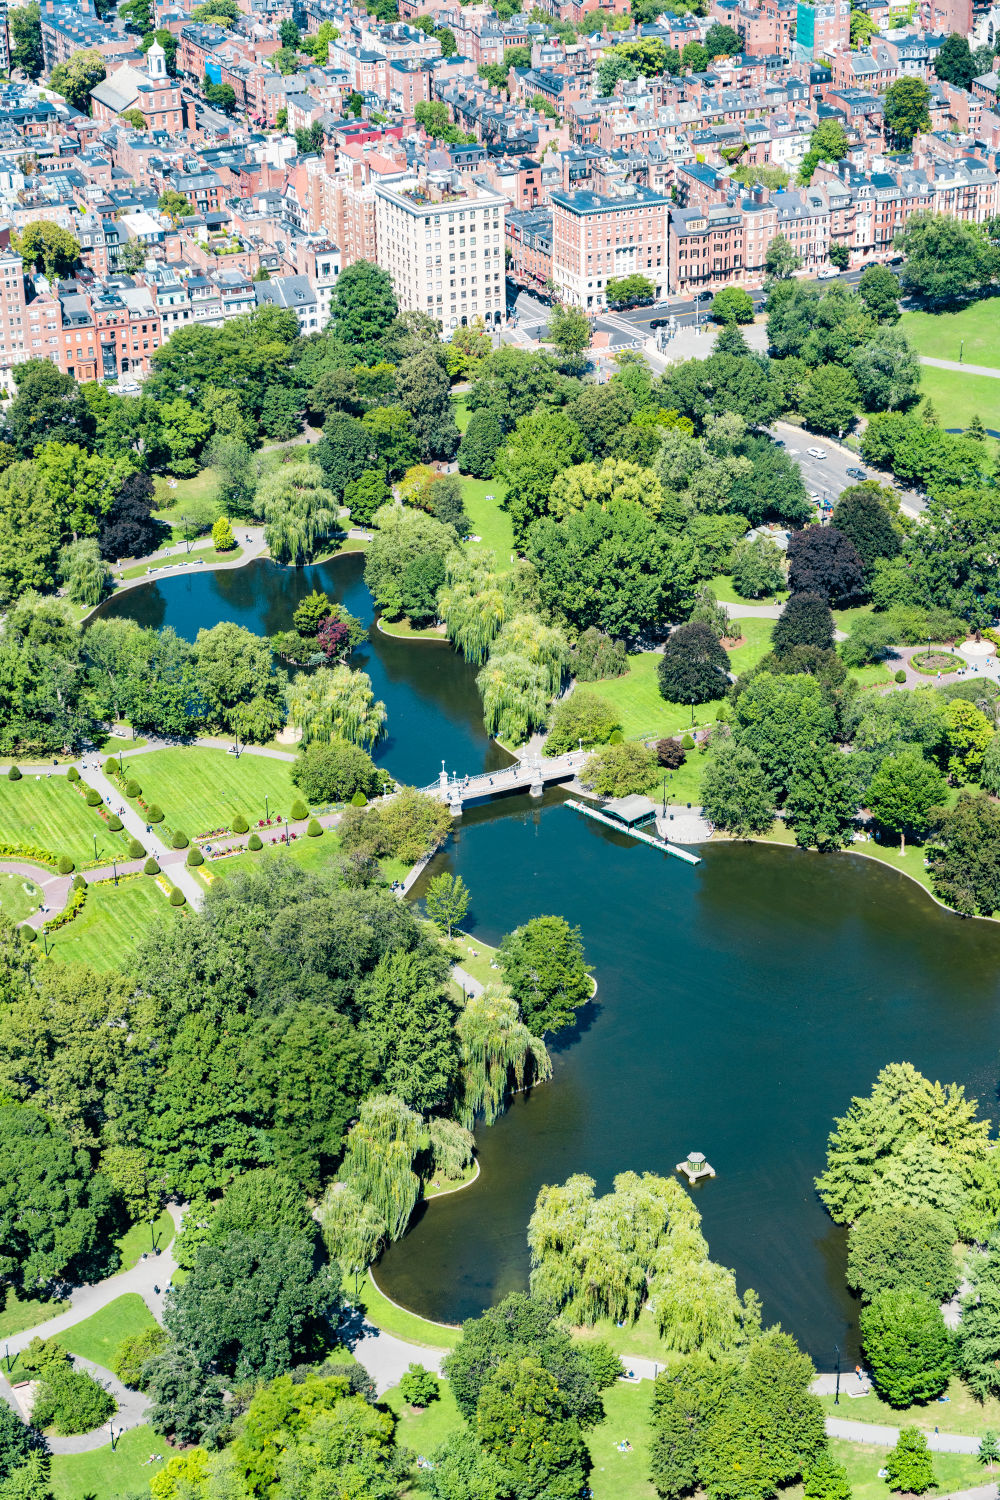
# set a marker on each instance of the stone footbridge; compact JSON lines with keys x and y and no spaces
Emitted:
{"x":532,"y":774}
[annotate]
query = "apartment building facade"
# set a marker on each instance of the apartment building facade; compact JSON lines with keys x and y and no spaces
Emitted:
{"x":597,"y":237}
{"x":445,"y":253}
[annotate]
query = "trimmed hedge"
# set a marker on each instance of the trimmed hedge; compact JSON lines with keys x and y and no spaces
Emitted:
{"x":900,"y":676}
{"x":132,"y":788}
{"x":77,"y":898}
{"x":687,"y":743}
{"x":179,"y":840}
{"x":299,"y":810}
{"x":135,"y":849}
{"x":240,"y":824}
{"x":13,"y":774}
{"x":115,"y":823}
{"x":29,"y":934}
{"x":615,"y":737}
{"x":94,"y":798}
{"x":154,"y":814}
{"x":111,"y":766}
{"x":79,"y":883}
{"x":255,"y":842}
{"x":151,"y":867}
{"x":72,"y":774}
{"x":65,"y":865}
{"x":359,"y":800}
{"x":315,"y":829}
{"x":195,"y":857}
{"x":177,"y":897}
{"x":29,"y":851}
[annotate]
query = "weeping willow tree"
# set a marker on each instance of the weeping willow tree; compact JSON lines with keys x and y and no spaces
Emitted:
{"x":544,"y":646}
{"x":451,"y":1147}
{"x":497,"y":1054}
{"x":353,"y":1231}
{"x":335,"y":703}
{"x":515,"y":696}
{"x":378,"y":1160}
{"x":594,"y":1256}
{"x":84,"y":571}
{"x":472,"y":603}
{"x":298,"y":510}
{"x":696,"y":1304}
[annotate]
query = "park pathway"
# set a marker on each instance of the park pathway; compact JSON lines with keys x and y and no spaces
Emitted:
{"x":172,"y":859}
{"x":963,"y":369}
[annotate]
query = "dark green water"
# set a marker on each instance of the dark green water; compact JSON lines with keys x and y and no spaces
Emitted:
{"x":740,"y":1005}
{"x":429,"y":691}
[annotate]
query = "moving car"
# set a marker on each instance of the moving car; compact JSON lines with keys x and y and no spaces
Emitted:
{"x":816,"y":452}
{"x":857,"y":473}
{"x":828,"y":273}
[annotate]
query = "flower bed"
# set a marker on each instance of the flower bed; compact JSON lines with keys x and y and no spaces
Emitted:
{"x":75,"y":904}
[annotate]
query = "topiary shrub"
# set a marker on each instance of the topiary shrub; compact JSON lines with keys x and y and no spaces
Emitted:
{"x":359,"y":800}
{"x":65,"y":865}
{"x":94,"y":798}
{"x":28,"y":934}
{"x":315,"y":829}
{"x":177,"y":897}
{"x":115,"y":823}
{"x":135,"y":849}
{"x":72,"y":774}
{"x":299,"y":810}
{"x":79,"y":883}
{"x":111,"y":766}
{"x":132,"y":788}
{"x":670,"y":753}
{"x":13,"y":774}
{"x":900,"y":676}
{"x":687,"y":743}
{"x":615,"y":737}
{"x":154,"y":814}
{"x":240,"y":824}
{"x":179,"y":840}
{"x":255,"y":842}
{"x":151,"y":867}
{"x":195,"y":857}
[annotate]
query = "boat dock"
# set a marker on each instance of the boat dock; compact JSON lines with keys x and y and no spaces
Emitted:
{"x":633,"y":833}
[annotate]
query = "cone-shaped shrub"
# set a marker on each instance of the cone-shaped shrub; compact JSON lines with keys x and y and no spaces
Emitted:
{"x":72,"y":774}
{"x":359,"y":799}
{"x":315,"y":829}
{"x":195,"y":857}
{"x":240,"y":824}
{"x":78,"y":882}
{"x":154,"y":814}
{"x":135,"y":849}
{"x":94,"y":798}
{"x":179,"y":840}
{"x":254,"y":842}
{"x":176,"y":897}
{"x":115,"y":823}
{"x":110,"y":766}
{"x":14,"y":774}
{"x":132,"y":788}
{"x":65,"y":865}
{"x":299,"y":810}
{"x":151,"y":867}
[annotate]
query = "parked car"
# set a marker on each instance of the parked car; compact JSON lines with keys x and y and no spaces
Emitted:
{"x":660,"y":323}
{"x":828,"y":273}
{"x":857,"y":473}
{"x":816,"y":452}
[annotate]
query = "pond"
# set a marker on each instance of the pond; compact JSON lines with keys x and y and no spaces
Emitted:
{"x":430,"y":694}
{"x":740,"y":1005}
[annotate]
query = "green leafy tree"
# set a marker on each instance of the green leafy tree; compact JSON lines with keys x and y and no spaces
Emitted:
{"x":134,"y":1354}
{"x":480,"y":445}
{"x":964,"y":857}
{"x":908,"y":1465}
{"x":862,"y":515}
{"x":822,"y":800}
{"x":905,"y":109}
{"x":828,"y":143}
{"x":544,"y":968}
{"x":542,"y":444}
{"x":333,"y":772}
{"x":946,"y":259}
{"x":18,"y":1443}
{"x":524,"y":1423}
{"x":174,"y":205}
{"x":806,"y":620}
{"x":186,"y":1403}
{"x":25,"y":26}
{"x":581,"y":719}
{"x":626,"y":291}
{"x":694,"y":666}
{"x":968,"y":732}
{"x":830,"y":398}
{"x":893,"y":1248}
{"x":955,"y":63}
{"x":782,"y":718}
{"x":904,"y":792}
{"x":419,"y":1386}
{"x":236,"y":672}
{"x":732,"y":305}
{"x":757,"y":568}
{"x":75,"y":78}
{"x":781,"y":261}
{"x":569,"y":329}
{"x":621,"y":770}
{"x":363,"y":306}
{"x":826,"y":1480}
{"x":989,"y":1449}
{"x":734,"y":792}
{"x":878,"y":288}
{"x":887,"y":370}
{"x":447,"y":901}
{"x":46,"y":246}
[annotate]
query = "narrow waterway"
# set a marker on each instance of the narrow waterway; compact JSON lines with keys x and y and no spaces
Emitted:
{"x":741,"y":1003}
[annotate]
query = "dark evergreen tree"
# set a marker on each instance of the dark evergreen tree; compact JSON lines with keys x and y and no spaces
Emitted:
{"x":481,"y":441}
{"x":694,"y":667}
{"x":129,"y":528}
{"x":863,"y":517}
{"x":805,"y":621}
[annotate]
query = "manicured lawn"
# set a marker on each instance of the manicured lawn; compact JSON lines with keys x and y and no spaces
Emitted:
{"x":939,"y":335}
{"x":405,"y":1325}
{"x":958,"y":396}
{"x":98,"y":1337}
{"x":636,"y":696}
{"x":138,"y":1238}
{"x":868,"y":677}
{"x":846,"y":619}
{"x":206,"y":555}
{"x":19,"y":897}
{"x":103,"y":1475}
{"x":615,"y":1475}
{"x":722,"y":587}
{"x":952,"y":1471}
{"x":461,"y":412}
{"x":46,"y":813}
{"x":478,"y":967}
{"x":171,"y":503}
{"x":960,"y":1413}
{"x":112,"y":923}
{"x":406,"y":631}
{"x":426,"y":1430}
{"x":489,"y":520}
{"x":641,"y":1338}
{"x":17,"y":1315}
{"x":201,"y":790}
{"x":309,"y":854}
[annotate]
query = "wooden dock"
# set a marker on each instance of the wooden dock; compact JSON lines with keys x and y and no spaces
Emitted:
{"x":634,"y":833}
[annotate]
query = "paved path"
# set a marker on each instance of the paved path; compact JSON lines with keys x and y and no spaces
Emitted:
{"x":887,"y":1437}
{"x":134,"y":825}
{"x":963,"y":369}
{"x":387,"y":1358}
{"x":464,"y":978}
{"x":252,"y":549}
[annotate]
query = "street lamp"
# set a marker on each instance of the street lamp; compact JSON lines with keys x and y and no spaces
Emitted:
{"x":114,"y":866}
{"x":95,"y":845}
{"x":961,"y":351}
{"x":267,"y":814}
{"x":836,"y":1398}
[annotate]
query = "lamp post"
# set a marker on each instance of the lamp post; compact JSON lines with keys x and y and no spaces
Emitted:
{"x":961,"y":351}
{"x":120,"y":770}
{"x":114,"y":866}
{"x":836,"y":1398}
{"x":664,"y":794}
{"x":95,"y":845}
{"x":152,"y":1235}
{"x":267,"y":810}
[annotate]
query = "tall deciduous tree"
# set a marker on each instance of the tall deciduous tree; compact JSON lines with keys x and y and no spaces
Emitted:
{"x":544,"y":968}
{"x":735,"y":794}
{"x":447,"y":901}
{"x":904,"y":791}
{"x":821,"y":560}
{"x":694,"y":667}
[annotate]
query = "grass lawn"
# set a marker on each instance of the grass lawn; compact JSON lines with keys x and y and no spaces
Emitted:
{"x":615,"y":1475}
{"x":868,"y":677}
{"x":426,"y":1430}
{"x":846,"y":619}
{"x":958,"y":396}
{"x":478,"y":967}
{"x":722,"y":587}
{"x":97,"y":1337}
{"x":112,"y":923}
{"x":446,"y":1185}
{"x":460,"y":411}
{"x":139,"y":1238}
{"x":405,"y":1325}
{"x":18,"y":1316}
{"x":309,"y":854}
{"x":19,"y":897}
{"x":406,"y":631}
{"x":204,"y":555}
{"x":939,"y":335}
{"x":46,"y":813}
{"x":489,"y":520}
{"x":170,"y":504}
{"x":636,"y":696}
{"x":641,"y":1338}
{"x":952,"y":1471}
{"x":102,"y":1475}
{"x":960,"y":1413}
{"x":201,"y":790}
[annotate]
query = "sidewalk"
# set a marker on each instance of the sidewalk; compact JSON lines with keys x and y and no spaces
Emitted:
{"x":167,"y":859}
{"x":963,"y":369}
